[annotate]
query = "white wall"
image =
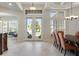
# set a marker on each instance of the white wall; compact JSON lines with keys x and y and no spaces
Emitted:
{"x":21,"y":27}
{"x":45,"y":24}
{"x":72,"y":26}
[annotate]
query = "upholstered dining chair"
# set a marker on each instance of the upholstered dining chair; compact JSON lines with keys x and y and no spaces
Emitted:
{"x":54,"y":39}
{"x":65,"y":46}
{"x":57,"y":39}
{"x":77,"y":34}
{"x":77,"y":44}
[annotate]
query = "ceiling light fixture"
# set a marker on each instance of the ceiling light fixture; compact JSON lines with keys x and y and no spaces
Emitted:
{"x":71,"y":17}
{"x":10,"y":4}
{"x":32,"y":7}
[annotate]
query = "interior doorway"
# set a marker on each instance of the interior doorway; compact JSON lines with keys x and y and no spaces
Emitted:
{"x":34,"y":28}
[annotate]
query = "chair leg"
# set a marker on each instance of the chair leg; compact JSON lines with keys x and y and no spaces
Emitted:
{"x":55,"y":44}
{"x":61,"y":50}
{"x":65,"y":53}
{"x":58,"y":48}
{"x":75,"y":52}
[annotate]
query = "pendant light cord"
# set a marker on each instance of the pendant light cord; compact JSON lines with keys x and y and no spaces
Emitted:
{"x":71,"y":8}
{"x":32,"y":4}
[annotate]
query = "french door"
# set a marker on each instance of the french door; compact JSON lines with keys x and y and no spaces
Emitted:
{"x":33,"y":28}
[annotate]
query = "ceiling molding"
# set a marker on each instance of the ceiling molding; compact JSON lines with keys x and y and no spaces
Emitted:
{"x":45,"y":6}
{"x":20,"y":6}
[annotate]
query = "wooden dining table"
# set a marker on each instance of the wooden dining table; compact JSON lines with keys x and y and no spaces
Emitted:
{"x":72,"y":38}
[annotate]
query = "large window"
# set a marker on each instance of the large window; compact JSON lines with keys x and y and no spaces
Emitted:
{"x":51,"y":26}
{"x":12,"y":28}
{"x":13,"y":24}
{"x":52,"y":22}
{"x":5,"y":26}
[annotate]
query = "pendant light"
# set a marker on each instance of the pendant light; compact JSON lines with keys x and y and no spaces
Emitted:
{"x":71,"y":17}
{"x":32,"y":7}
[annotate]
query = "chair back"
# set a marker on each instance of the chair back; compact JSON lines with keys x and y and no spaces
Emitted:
{"x":57,"y":38}
{"x":77,"y":34}
{"x":61,"y":36}
{"x":53,"y":36}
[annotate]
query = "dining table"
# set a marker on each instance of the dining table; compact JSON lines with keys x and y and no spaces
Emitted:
{"x":72,"y":38}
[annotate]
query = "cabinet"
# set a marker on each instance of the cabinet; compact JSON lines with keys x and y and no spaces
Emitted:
{"x":4,"y":42}
{"x":0,"y":43}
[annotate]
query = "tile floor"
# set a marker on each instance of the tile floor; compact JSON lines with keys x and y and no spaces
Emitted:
{"x":32,"y":49}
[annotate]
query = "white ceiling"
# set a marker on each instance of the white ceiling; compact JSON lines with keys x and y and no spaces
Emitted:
{"x":20,"y":6}
{"x":7,"y":6}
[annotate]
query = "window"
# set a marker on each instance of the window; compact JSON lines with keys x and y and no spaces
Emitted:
{"x":51,"y":25}
{"x":52,"y":22}
{"x":52,"y":14}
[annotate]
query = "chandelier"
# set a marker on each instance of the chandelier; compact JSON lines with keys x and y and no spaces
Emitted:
{"x":32,"y":7}
{"x":71,"y":17}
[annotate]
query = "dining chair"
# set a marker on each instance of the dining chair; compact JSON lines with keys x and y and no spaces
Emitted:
{"x":65,"y":46}
{"x":54,"y":39}
{"x":77,"y":44}
{"x":57,"y":39}
{"x":77,"y":34}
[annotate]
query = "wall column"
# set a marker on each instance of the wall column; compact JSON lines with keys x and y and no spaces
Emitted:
{"x":21,"y":27}
{"x":46,"y":26}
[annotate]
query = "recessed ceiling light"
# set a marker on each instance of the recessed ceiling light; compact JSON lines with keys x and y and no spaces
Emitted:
{"x":10,"y":4}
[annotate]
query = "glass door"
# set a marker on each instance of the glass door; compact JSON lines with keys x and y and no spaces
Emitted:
{"x":33,"y":28}
{"x":29,"y":28}
{"x":38,"y":28}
